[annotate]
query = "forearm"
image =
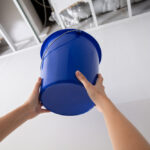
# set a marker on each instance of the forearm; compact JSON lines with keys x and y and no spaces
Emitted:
{"x":12,"y":120}
{"x":30,"y":109}
{"x":123,"y":135}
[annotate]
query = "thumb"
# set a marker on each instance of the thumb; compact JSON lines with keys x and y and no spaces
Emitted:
{"x":44,"y":110}
{"x":37,"y":86}
{"x":84,"y":81}
{"x":90,"y":88}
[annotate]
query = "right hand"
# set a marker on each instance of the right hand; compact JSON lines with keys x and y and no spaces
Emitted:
{"x":96,"y":92}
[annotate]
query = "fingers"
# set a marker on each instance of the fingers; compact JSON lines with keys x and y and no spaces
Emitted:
{"x":37,"y":85}
{"x":45,"y":111}
{"x":83,"y":80}
{"x":99,"y":79}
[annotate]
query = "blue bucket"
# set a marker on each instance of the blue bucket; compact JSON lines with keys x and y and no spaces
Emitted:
{"x":62,"y":53}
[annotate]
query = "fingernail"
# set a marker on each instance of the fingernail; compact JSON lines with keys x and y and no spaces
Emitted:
{"x":78,"y":73}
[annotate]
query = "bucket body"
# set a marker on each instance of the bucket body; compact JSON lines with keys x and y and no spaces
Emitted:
{"x":62,"y":54}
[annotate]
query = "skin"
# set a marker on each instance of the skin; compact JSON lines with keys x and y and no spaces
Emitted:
{"x":30,"y":109}
{"x":123,"y":135}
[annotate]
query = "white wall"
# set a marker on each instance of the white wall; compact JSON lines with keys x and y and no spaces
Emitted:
{"x":13,"y":22}
{"x":126,"y":58}
{"x":125,"y":68}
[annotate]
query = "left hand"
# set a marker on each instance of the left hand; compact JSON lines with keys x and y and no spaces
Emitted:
{"x":33,"y":103}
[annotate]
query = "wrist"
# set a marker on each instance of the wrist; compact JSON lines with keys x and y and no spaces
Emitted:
{"x":24,"y":112}
{"x":103,"y":103}
{"x":28,"y":111}
{"x":108,"y":107}
{"x":100,"y":102}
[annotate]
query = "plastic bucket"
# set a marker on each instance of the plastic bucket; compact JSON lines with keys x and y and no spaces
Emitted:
{"x":62,"y":53}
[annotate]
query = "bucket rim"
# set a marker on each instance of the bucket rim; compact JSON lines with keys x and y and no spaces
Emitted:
{"x":90,"y":37}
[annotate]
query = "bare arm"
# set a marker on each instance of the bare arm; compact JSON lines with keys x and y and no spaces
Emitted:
{"x":123,"y":135}
{"x":28,"y":110}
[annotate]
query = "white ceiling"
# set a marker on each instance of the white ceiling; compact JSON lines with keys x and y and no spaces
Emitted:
{"x":125,"y":68}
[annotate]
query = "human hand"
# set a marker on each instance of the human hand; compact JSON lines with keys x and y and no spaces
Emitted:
{"x":33,"y":104}
{"x":96,"y":92}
